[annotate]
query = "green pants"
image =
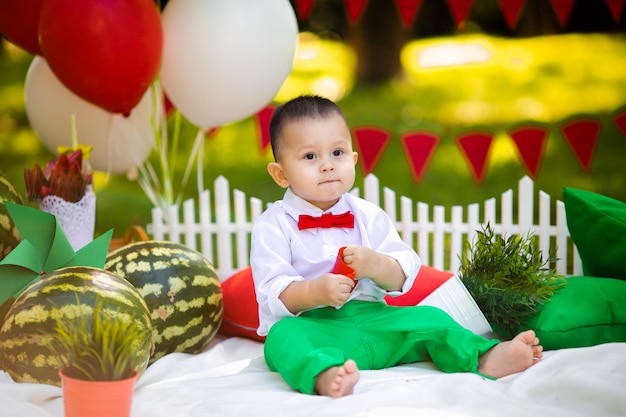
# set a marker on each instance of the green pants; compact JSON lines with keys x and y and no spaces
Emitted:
{"x":374,"y":335}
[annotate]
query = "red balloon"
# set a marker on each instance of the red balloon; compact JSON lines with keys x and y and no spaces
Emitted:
{"x":18,"y":23}
{"x":105,"y":51}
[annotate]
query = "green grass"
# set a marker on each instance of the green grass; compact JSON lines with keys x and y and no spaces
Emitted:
{"x":545,"y":79}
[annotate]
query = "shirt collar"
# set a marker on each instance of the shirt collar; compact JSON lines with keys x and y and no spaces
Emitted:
{"x":295,"y":206}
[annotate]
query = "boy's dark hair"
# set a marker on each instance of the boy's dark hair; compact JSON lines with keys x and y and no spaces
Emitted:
{"x":297,"y":109}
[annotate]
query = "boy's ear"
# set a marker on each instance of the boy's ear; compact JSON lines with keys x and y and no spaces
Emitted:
{"x":276,"y":172}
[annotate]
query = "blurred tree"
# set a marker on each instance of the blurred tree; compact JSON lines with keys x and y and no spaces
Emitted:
{"x":378,"y":36}
{"x":377,"y":39}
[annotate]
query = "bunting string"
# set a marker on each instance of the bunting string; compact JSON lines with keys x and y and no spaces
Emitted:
{"x":460,"y":10}
{"x":529,"y":138}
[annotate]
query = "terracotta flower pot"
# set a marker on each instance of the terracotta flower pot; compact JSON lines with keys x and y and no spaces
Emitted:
{"x":83,"y":398}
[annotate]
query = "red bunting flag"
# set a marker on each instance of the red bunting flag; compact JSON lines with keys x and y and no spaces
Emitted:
{"x":563,"y":9}
{"x":212,"y":132}
{"x":419,"y":148}
{"x":355,"y":8}
{"x":460,"y":10}
{"x":168,"y":107}
{"x":371,"y":142}
{"x":620,"y":120}
{"x":530,"y":140}
{"x":581,"y":135}
{"x":262,"y":124}
{"x":303,"y":8}
{"x":475,"y":147}
{"x":512,"y":10}
{"x":408,"y":10}
{"x":616,"y":7}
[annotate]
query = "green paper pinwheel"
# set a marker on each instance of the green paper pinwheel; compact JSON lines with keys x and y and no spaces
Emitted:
{"x":44,"y":248}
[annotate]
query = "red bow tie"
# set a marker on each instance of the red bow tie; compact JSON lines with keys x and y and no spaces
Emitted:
{"x":326,"y":220}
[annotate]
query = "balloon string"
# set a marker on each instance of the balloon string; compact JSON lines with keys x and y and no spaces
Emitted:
{"x":162,"y":144}
{"x":175,"y":139}
{"x":159,"y":188}
{"x":200,"y":168}
{"x":197,"y":144}
{"x":151,"y":184}
{"x":148,"y":187}
{"x":74,"y":134}
{"x":110,"y":147}
{"x":147,"y":177}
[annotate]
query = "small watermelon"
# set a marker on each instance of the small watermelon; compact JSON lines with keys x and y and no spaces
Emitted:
{"x":31,"y":321}
{"x":9,"y":235}
{"x":181,"y":289}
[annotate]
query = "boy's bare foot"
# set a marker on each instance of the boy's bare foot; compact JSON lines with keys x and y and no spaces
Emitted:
{"x":510,"y":357}
{"x":338,"y":381}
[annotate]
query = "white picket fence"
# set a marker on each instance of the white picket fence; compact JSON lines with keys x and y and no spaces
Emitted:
{"x":219,"y":226}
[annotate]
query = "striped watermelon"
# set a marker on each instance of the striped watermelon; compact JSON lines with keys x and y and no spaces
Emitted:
{"x":181,"y":289}
{"x":9,"y":235}
{"x":30,"y":322}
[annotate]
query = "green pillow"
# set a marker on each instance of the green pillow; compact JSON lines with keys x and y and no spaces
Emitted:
{"x":597,"y":225}
{"x":587,"y":311}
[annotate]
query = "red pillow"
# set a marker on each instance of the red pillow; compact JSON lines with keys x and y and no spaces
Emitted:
{"x":241,"y":310}
{"x":428,"y":280}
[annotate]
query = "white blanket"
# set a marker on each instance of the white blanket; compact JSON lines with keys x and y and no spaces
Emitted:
{"x":230,"y":378}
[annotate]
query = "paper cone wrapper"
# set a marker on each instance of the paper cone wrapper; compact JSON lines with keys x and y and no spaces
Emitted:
{"x":78,"y":220}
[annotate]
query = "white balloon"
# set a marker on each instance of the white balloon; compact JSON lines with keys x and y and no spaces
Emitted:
{"x":118,"y":142}
{"x":224,"y":60}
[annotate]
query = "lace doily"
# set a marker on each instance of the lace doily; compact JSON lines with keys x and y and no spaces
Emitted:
{"x":78,"y":220}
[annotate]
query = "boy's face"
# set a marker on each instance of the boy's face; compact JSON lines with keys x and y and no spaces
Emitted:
{"x":316,"y":160}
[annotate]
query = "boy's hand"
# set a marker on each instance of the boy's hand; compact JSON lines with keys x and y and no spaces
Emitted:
{"x":382,"y":269}
{"x":331,"y":289}
{"x":363,"y":260}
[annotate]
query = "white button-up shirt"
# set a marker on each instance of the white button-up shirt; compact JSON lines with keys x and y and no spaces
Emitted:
{"x":281,"y":254}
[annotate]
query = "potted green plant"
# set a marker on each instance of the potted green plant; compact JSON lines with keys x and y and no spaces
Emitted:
{"x":508,"y":278}
{"x":98,"y":351}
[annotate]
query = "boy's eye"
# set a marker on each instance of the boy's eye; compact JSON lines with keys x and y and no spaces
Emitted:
{"x":309,"y":156}
{"x":337,"y":152}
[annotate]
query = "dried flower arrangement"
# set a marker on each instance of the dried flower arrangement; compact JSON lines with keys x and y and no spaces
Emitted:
{"x":65,"y":178}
